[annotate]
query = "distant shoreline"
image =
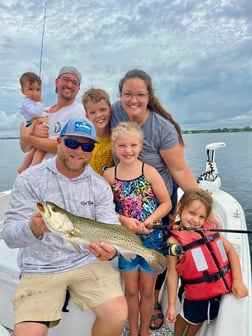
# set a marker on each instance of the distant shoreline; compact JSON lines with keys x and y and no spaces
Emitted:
{"x":219,"y":130}
{"x":214,"y":130}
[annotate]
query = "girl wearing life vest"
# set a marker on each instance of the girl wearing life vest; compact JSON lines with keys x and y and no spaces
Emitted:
{"x":208,"y":268}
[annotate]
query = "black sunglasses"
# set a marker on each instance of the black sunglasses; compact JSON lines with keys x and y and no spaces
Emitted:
{"x":73,"y":144}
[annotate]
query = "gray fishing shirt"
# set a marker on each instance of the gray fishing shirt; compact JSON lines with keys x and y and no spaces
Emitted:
{"x":88,"y":195}
{"x":159,"y":134}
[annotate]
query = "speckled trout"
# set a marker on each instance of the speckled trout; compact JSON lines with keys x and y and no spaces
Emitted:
{"x":81,"y":231}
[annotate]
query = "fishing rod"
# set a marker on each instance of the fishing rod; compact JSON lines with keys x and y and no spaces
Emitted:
{"x":187,"y":228}
{"x":42,"y":41}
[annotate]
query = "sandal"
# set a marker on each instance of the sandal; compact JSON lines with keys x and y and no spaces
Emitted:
{"x":155,"y":317}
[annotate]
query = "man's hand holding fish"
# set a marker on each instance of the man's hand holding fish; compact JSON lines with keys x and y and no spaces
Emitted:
{"x":37,"y":224}
{"x":103,"y":251}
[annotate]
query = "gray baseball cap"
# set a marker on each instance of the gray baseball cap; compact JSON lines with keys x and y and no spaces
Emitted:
{"x":72,"y":70}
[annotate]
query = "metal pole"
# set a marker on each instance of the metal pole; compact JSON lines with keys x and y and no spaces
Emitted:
{"x":42,"y":41}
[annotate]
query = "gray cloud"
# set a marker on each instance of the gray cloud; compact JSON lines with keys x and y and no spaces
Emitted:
{"x":197,"y":52}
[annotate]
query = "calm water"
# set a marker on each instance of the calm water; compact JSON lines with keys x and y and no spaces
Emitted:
{"x":234,"y":164}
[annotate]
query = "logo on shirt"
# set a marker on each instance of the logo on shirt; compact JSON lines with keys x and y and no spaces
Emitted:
{"x":87,"y":203}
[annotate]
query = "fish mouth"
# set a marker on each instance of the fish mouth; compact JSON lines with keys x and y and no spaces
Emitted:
{"x":41,"y":208}
{"x":44,"y":209}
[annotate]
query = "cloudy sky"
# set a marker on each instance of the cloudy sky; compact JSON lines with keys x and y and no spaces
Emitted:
{"x":198,"y":53}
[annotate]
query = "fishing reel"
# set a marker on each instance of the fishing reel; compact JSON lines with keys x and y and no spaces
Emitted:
{"x":172,"y":249}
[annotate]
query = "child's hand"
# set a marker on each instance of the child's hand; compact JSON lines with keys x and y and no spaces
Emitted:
{"x":239,"y":289}
{"x":133,"y":224}
{"x":170,"y":316}
{"x":148,"y":223}
{"x":36,"y":96}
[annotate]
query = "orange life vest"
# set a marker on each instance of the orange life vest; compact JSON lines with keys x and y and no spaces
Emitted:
{"x":204,"y":267}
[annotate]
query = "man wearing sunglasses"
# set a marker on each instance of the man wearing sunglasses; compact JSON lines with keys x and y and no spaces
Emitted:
{"x":49,"y":264}
{"x":67,"y":86}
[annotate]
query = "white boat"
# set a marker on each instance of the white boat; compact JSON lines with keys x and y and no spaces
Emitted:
{"x":234,"y":315}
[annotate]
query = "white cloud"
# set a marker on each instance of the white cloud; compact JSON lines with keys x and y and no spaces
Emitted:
{"x":197,"y":52}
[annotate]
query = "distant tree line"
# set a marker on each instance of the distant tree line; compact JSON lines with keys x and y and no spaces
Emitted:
{"x":220,"y":130}
{"x":214,"y":130}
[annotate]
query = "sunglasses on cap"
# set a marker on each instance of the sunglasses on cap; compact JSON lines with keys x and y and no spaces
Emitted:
{"x":74,"y":144}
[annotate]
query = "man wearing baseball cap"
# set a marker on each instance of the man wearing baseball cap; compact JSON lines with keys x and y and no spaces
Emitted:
{"x":82,"y":128}
{"x":70,"y":70}
{"x":67,"y":86}
{"x":50,"y":265}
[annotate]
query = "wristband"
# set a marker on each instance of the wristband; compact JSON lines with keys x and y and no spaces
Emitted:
{"x":113,"y":256}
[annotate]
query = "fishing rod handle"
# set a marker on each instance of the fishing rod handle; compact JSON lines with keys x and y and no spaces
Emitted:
{"x":163,"y":227}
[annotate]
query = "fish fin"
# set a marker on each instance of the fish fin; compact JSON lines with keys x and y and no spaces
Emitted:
{"x":77,"y":247}
{"x":162,"y":262}
{"x":128,"y":256}
{"x":156,"y":260}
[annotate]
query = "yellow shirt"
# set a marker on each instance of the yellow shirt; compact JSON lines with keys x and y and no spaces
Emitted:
{"x":102,"y":155}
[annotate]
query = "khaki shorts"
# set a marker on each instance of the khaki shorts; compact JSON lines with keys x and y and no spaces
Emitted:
{"x":40,"y":297}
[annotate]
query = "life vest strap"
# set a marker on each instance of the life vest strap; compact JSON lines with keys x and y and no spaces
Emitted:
{"x":208,"y":277}
{"x":201,"y":241}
